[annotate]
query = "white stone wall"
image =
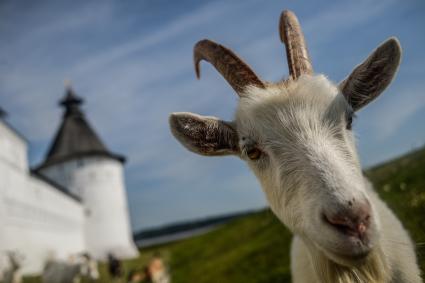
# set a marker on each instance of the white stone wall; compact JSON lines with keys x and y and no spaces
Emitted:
{"x":39,"y":221}
{"x":13,"y":148}
{"x":99,"y":182}
{"x":36,"y":219}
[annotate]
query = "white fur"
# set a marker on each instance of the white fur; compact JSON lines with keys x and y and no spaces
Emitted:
{"x":10,"y":272}
{"x":70,"y":271}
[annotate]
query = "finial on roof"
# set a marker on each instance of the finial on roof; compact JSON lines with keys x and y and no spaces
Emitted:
{"x":67,"y":83}
{"x":70,"y":101}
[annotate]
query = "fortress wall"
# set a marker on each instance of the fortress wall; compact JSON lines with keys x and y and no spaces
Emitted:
{"x":37,"y":220}
{"x":99,"y":182}
{"x":13,"y":148}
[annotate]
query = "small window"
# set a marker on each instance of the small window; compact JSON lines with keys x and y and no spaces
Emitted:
{"x":80,"y":162}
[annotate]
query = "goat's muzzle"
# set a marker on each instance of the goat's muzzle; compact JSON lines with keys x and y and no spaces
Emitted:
{"x":353,"y":221}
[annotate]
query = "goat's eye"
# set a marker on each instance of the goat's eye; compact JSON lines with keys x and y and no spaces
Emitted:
{"x":350,"y":117}
{"x":254,"y":153}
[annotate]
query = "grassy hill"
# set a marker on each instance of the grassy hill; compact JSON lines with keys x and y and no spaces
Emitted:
{"x":255,"y":248}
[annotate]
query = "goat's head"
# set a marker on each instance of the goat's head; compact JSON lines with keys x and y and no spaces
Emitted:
{"x":296,"y":136}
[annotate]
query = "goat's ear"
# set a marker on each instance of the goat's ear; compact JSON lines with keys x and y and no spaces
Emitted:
{"x":369,"y":79}
{"x":204,"y":135}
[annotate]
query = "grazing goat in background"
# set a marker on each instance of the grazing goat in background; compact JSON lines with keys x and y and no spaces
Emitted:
{"x":70,"y":272}
{"x":12,"y":274}
{"x":296,"y":137}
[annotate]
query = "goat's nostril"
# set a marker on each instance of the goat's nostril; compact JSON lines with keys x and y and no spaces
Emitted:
{"x":339,"y":222}
{"x":349,"y":223}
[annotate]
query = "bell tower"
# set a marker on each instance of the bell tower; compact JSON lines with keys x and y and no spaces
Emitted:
{"x":80,"y":162}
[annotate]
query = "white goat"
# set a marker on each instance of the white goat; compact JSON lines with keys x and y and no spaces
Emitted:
{"x":296,"y":137}
{"x":70,"y":272}
{"x":11,"y":273}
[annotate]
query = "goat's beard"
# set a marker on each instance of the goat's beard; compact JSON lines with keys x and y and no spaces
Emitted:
{"x":373,"y":268}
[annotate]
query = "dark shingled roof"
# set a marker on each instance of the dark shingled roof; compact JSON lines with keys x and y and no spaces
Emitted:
{"x":55,"y":185}
{"x":75,"y":137}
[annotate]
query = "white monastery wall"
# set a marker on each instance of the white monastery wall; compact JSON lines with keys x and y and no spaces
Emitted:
{"x":100,"y":184}
{"x":13,"y":148}
{"x":36,"y":219}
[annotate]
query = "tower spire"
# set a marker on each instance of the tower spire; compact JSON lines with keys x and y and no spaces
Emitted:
{"x":75,"y":137}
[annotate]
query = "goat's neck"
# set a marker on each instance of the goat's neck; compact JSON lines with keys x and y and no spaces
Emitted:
{"x":374,"y":269}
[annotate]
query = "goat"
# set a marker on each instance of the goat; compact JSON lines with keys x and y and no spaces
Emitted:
{"x":70,"y":272}
{"x":12,"y":273}
{"x":296,"y":137}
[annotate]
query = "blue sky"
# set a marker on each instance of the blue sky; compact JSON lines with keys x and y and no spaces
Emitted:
{"x":132,"y":63}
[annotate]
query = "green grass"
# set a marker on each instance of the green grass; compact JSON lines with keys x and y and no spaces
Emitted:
{"x":401,"y":183}
{"x":256,"y":248}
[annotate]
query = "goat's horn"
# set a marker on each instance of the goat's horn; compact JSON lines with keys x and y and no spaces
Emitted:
{"x":296,"y":50}
{"x":236,"y":72}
